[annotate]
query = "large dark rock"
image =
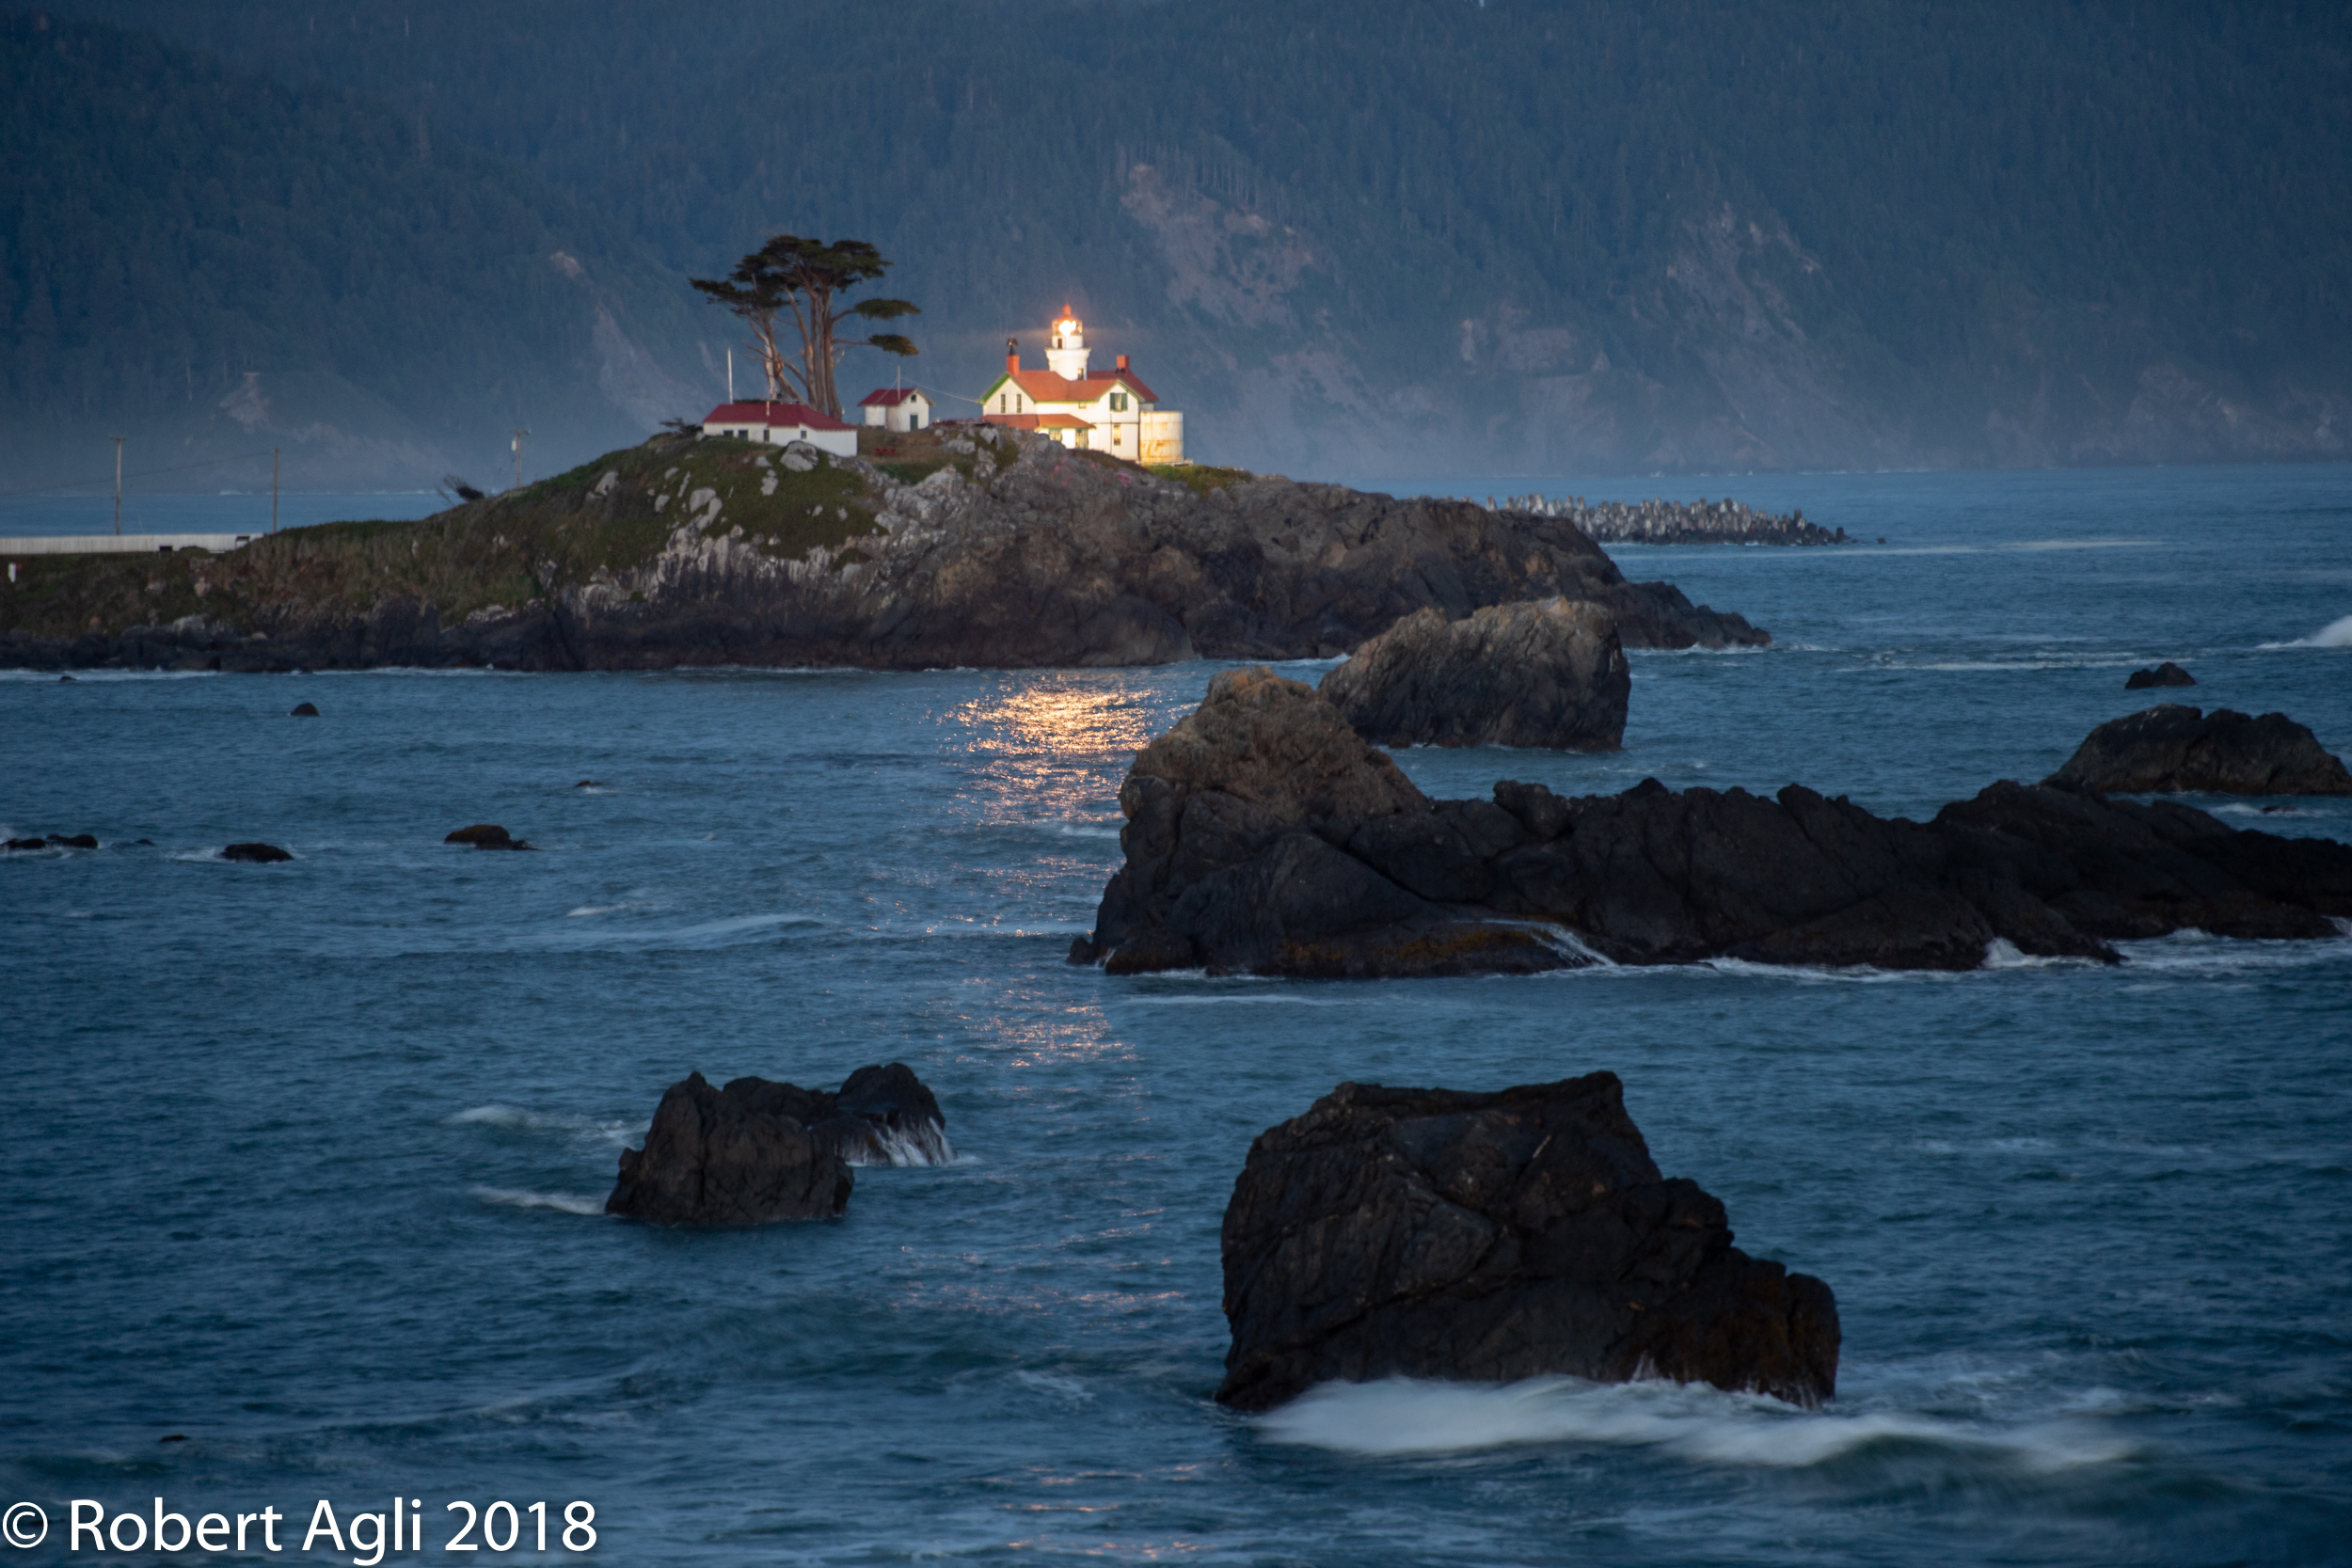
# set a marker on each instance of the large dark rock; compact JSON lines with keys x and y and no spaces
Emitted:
{"x":255,"y":854}
{"x":305,"y":710}
{"x":1354,"y":872}
{"x":1434,"y":1233}
{"x":1551,"y":673}
{"x":757,"y":1150}
{"x":25,"y":843}
{"x":2167,"y":673}
{"x":2176,"y":749}
{"x":74,"y":841}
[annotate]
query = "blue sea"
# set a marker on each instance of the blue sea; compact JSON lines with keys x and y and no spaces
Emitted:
{"x":305,"y":1162}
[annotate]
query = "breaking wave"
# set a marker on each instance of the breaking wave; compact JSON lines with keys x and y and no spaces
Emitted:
{"x":514,"y":1197}
{"x":1404,"y":1415}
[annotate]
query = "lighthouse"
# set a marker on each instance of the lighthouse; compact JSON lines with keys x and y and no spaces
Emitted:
{"x":1066,"y":345}
{"x":1115,"y":413}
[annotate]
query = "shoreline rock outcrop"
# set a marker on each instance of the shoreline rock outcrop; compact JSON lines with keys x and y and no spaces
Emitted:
{"x":1442,"y":1234}
{"x":1551,"y":674}
{"x":2175,"y":749}
{"x":1263,"y":837}
{"x":2167,"y":673}
{"x":759,"y":1152}
{"x":971,"y":547}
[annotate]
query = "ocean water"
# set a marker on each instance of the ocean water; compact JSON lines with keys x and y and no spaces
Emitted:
{"x":305,"y":1162}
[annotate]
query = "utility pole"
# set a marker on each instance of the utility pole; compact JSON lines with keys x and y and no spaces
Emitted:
{"x":272,"y":489}
{"x":118,"y":441}
{"x":518,"y":457}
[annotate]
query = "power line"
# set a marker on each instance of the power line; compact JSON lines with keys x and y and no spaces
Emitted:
{"x":146,"y":473}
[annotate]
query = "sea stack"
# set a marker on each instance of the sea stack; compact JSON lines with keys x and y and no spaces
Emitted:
{"x":758,"y":1151}
{"x":1441,"y":1234}
{"x":1548,"y":673}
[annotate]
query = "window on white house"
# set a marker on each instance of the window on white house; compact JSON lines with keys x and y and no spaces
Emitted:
{"x":1118,"y":403}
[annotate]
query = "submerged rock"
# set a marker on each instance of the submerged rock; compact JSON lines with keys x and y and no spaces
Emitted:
{"x":1549,"y":673}
{"x":1435,"y":1234}
{"x":255,"y":854}
{"x":74,"y":841}
{"x":2175,"y":749}
{"x":303,"y":710}
{"x":1350,"y":871}
{"x":25,"y":843}
{"x":757,"y":1150}
{"x":2167,"y":673}
{"x":486,"y":836}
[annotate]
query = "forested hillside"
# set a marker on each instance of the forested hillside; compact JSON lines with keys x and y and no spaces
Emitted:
{"x":212,"y":264}
{"x":1531,"y":236}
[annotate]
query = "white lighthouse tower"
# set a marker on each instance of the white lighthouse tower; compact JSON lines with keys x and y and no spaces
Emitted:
{"x":1066,"y":348}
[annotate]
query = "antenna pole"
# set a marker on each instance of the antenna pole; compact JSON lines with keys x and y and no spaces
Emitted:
{"x":518,"y":457}
{"x":272,"y":489}
{"x":730,"y":373}
{"x":118,"y":441}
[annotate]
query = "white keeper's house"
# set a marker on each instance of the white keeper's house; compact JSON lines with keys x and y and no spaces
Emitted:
{"x":898,"y":408}
{"x":780,"y":423}
{"x":1115,"y":413}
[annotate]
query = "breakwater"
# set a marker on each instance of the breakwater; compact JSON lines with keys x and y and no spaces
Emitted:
{"x":1661,"y":522}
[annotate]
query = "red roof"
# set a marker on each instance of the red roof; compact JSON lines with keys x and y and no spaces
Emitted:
{"x":1045,"y":387}
{"x":788,"y":415}
{"x":1037,"y":422}
{"x":889,"y":397}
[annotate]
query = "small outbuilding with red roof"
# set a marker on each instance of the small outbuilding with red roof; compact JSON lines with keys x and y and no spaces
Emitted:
{"x":897,"y":408}
{"x":781,"y":423}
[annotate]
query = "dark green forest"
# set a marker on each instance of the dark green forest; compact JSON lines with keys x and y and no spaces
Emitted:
{"x":214,"y":263}
{"x":1531,"y":236}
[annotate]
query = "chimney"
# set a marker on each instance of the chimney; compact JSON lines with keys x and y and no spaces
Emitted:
{"x":1122,"y":361}
{"x":1012,"y":354}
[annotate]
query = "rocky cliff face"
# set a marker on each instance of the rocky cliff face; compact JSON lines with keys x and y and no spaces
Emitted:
{"x":971,"y":548}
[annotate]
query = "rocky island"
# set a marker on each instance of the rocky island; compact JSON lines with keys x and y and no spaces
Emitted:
{"x":956,"y":546}
{"x":1264,"y":835}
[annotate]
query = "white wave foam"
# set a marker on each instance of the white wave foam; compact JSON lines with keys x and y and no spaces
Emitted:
{"x":514,"y":1197}
{"x":927,"y":1145}
{"x":587,"y":909}
{"x":2001,"y":953}
{"x":1403,"y":1416}
{"x":2335,"y":634}
{"x":514,"y":1116}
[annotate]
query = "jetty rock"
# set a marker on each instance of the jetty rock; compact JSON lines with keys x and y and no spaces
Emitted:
{"x":2176,"y":749}
{"x":1442,"y":1234}
{"x":1551,"y":673}
{"x":487,"y":835}
{"x":1352,"y":872}
{"x":966,"y":545}
{"x":758,"y":1151}
{"x":2167,"y":673}
{"x":255,"y":854}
